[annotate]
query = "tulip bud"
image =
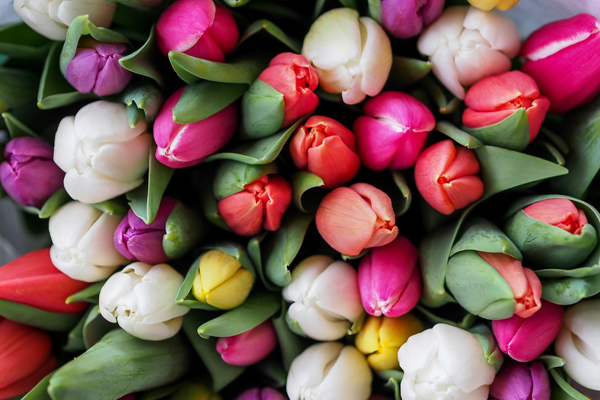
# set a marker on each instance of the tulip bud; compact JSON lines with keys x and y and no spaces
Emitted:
{"x":407,"y":18}
{"x":389,"y":279}
{"x":381,"y":337}
{"x":487,"y":5}
{"x":28,"y":173}
{"x":199,"y":28}
{"x":552,"y":234}
{"x":185,"y":145}
{"x":445,"y":174}
{"x":466,"y":44}
{"x":260,"y":205}
{"x":102,"y":156}
{"x":393,"y":132}
{"x":327,"y":149}
{"x":352,"y":54}
{"x":266,"y":393}
{"x":25,"y":358}
{"x":355,"y":218}
{"x":325,"y":298}
{"x":95,"y":68}
{"x":551,"y":51}
{"x":174,"y":231}
{"x":249,"y":347}
{"x":221,"y":281}
{"x":195,"y":391}
{"x":517,"y":381}
{"x":141,"y":298}
{"x":524,"y":339}
{"x":329,"y":371}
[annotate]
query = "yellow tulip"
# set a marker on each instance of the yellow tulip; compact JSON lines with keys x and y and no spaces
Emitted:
{"x":487,"y":5}
{"x":195,"y":391}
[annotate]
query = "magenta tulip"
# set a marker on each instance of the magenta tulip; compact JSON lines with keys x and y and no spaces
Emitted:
{"x":261,"y":394}
{"x":249,"y":347}
{"x":408,"y":18}
{"x":518,"y":381}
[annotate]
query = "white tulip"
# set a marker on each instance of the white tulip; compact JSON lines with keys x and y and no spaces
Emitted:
{"x":141,"y":298}
{"x":352,"y":55}
{"x":579,"y":343}
{"x":444,"y":362}
{"x":325,"y":296}
{"x":467,"y":44}
{"x":52,"y":18}
{"x":82,"y":242}
{"x":329,"y":371}
{"x":101,"y":155}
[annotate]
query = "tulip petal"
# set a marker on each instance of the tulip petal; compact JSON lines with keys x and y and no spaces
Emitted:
{"x":310,"y":368}
{"x":536,"y":115}
{"x":552,"y":211}
{"x":401,"y":18}
{"x":91,"y":187}
{"x":317,"y":323}
{"x":92,"y":124}
{"x":303,"y":276}
{"x":430,"y":165}
{"x":357,"y":377}
{"x":29,"y":382}
{"x":376,"y":57}
{"x":242,"y":213}
{"x":499,"y":30}
{"x":82,"y":71}
{"x":65,"y":144}
{"x":65,"y":234}
{"x":100,"y":12}
{"x":333,"y":162}
{"x":377,"y":141}
{"x":410,"y":296}
{"x":445,"y":68}
{"x":580,"y":368}
{"x":463,"y":191}
{"x":123,"y":161}
{"x":207,"y":49}
{"x":541,"y":382}
{"x":481,"y":119}
{"x":494,"y":91}
{"x":338,"y":281}
{"x":410,"y":147}
{"x":97,"y":247}
{"x":477,"y":63}
{"x":275,"y":201}
{"x":183,"y":23}
{"x":512,"y":382}
{"x":224,"y":30}
{"x":112,"y":78}
{"x":464,"y":164}
{"x":448,"y":26}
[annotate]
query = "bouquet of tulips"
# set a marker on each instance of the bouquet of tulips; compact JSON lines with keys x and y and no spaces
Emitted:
{"x":268,"y":199}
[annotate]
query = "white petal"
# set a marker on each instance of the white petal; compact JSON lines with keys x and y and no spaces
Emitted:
{"x":91,"y":187}
{"x":336,"y":290}
{"x":349,"y":379}
{"x":303,"y":276}
{"x":71,"y":222}
{"x":318,"y":324}
{"x":97,"y":245}
{"x":65,"y":144}
{"x":583,"y":320}
{"x":159,"y":331}
{"x":124,"y":161}
{"x":39,"y":21}
{"x":354,"y":94}
{"x":113,"y":292}
{"x":496,"y":28}
{"x":444,"y":68}
{"x":156,"y":295}
{"x":449,"y":25}
{"x":308,"y":369}
{"x":71,"y":265}
{"x":105,"y":122}
{"x":418,"y":352}
{"x":335,"y":80}
{"x":475,"y":64}
{"x":583,"y":370}
{"x":100,"y":12}
{"x":376,"y":58}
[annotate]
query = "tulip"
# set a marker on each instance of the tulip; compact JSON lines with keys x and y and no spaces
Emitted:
{"x":25,"y":358}
{"x":495,"y":98}
{"x":329,"y":371}
{"x":221,"y":281}
{"x":184,"y":145}
{"x":82,"y":242}
{"x":28,"y":173}
{"x":551,"y":51}
{"x":199,"y":28}
{"x":381,"y":337}
{"x":261,"y":394}
{"x":260,"y":205}
{"x":578,"y":343}
{"x":195,"y":391}
{"x":552,"y":233}
{"x":487,"y":5}
{"x":354,"y":218}
{"x":52,"y":18}
{"x":95,"y":68}
{"x":389,"y":279}
{"x":352,"y":54}
{"x":407,"y":18}
{"x":324,"y":296}
{"x":393,"y":132}
{"x":517,"y":381}
{"x":466,"y":44}
{"x":444,"y":362}
{"x":102,"y":156}
{"x":445,"y":174}
{"x":141,"y":298}
{"x":327,"y":149}
{"x":249,"y":347}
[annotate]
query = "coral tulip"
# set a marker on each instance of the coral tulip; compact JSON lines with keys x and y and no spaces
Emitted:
{"x":249,"y":347}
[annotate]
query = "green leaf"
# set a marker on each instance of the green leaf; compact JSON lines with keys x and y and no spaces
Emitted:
{"x":144,"y":101}
{"x":17,"y":88}
{"x":568,"y":273}
{"x":184,"y":229}
{"x":146,"y":60}
{"x":37,"y":318}
{"x":402,"y":205}
{"x":236,"y":3}
{"x":208,"y":201}
{"x":134,"y":115}
{"x":191,"y":69}
{"x":405,"y":71}
{"x":357,"y":325}
{"x":374,"y":12}
{"x":53,"y":203}
{"x":350,"y":4}
{"x":254,"y":252}
{"x":562,"y":390}
{"x":273,"y":30}
{"x":16,"y":128}
{"x":479,"y":234}
{"x":393,"y":379}
{"x":551,"y":362}
{"x":232,"y":176}
{"x":291,"y":344}
{"x":558,"y":142}
{"x":438,"y":96}
{"x":319,"y":5}
{"x":273,"y":371}
{"x":112,"y":207}
{"x":203,"y":99}
{"x":89,"y":294}
{"x":40,"y":391}
{"x":302,"y":182}
{"x":19,"y":41}
{"x":263,"y":110}
{"x":460,"y":137}
{"x":550,"y":152}
{"x":95,"y":327}
{"x":75,"y":338}
{"x":570,"y":290}
{"x":511,"y":133}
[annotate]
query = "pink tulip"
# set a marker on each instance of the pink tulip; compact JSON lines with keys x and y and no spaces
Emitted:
{"x":261,"y":394}
{"x":495,"y":98}
{"x":407,"y":18}
{"x":354,"y":218}
{"x":517,"y":381}
{"x":524,"y":339}
{"x":326,"y":148}
{"x":199,"y":28}
{"x":564,"y":59}
{"x":393,"y":132}
{"x":185,"y":145}
{"x":260,"y":205}
{"x":389,"y":279}
{"x":249,"y":347}
{"x":561,"y":213}
{"x":445,"y":174}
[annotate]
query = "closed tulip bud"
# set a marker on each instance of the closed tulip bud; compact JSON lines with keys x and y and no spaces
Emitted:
{"x":141,"y":298}
{"x":28,"y":173}
{"x":324,"y":296}
{"x":552,"y":234}
{"x":525,"y":339}
{"x":82,"y":242}
{"x":467,"y":44}
{"x":551,"y":51}
{"x":327,"y":149}
{"x":389,"y":279}
{"x":329,"y":371}
{"x":259,"y":206}
{"x":358,"y":217}
{"x":249,"y":347}
{"x":195,"y":391}
{"x":393,"y":131}
{"x":221,"y":281}
{"x":25,"y":358}
{"x":352,"y":54}
{"x":185,"y":145}
{"x":381,"y":337}
{"x":487,"y":5}
{"x":199,"y":28}
{"x":266,"y":393}
{"x":517,"y":381}
{"x":407,"y":18}
{"x":446,"y":176}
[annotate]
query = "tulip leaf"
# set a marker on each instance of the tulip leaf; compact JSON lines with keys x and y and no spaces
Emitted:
{"x":46,"y":320}
{"x":568,"y":273}
{"x":459,"y":136}
{"x":291,"y":344}
{"x":569,"y":291}
{"x":16,"y":128}
{"x":282,"y":246}
{"x":273,"y":30}
{"x":319,"y":5}
{"x":143,"y":102}
{"x":134,"y":115}
{"x":232,"y":176}
{"x":350,"y":4}
{"x":479,"y":234}
{"x":40,"y":390}
{"x":75,"y":338}
{"x":203,"y":99}
{"x":184,"y":229}
{"x":210,"y":207}
{"x":405,"y":71}
{"x":550,"y":152}
{"x":302,"y":182}
{"x":561,"y":390}
{"x":89,"y":294}
{"x":438,"y":96}
{"x":263,"y":110}
{"x":146,"y":60}
{"x":374,"y":11}
{"x":559,"y":143}
{"x":357,"y":325}
{"x":254,"y":252}
{"x":236,"y":3}
{"x":112,"y":207}
{"x":95,"y":327}
{"x":185,"y":297}
{"x":273,"y":371}
{"x":393,"y":379}
{"x":402,"y":205}
{"x":511,"y":133}
{"x":465,"y":323}
{"x":362,"y":253}
{"x":53,"y":203}
{"x":19,"y":41}
{"x":257,"y":308}
{"x":551,"y":362}
{"x":17,"y":88}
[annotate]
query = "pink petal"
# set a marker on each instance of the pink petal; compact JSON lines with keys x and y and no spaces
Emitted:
{"x":242,"y":213}
{"x":512,"y":382}
{"x":430,"y":165}
{"x":481,"y":119}
{"x":331,"y":127}
{"x":249,"y":347}
{"x":402,"y":109}
{"x":276,"y":200}
{"x":463,"y":191}
{"x":541,"y":382}
{"x":401,"y":19}
{"x":378,"y":200}
{"x":207,"y":49}
{"x":465,"y":163}
{"x":494,"y":91}
{"x":377,"y":141}
{"x":536,"y":115}
{"x":333,"y":162}
{"x":224,"y":30}
{"x":82,"y":71}
{"x":112,"y":78}
{"x":410,"y":146}
{"x":552,"y":211}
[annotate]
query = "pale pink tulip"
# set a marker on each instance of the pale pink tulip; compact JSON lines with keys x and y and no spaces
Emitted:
{"x":249,"y":347}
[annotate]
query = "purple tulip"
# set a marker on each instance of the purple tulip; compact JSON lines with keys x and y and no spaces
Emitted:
{"x":29,"y":175}
{"x":518,"y":381}
{"x":407,"y":18}
{"x":261,"y":394}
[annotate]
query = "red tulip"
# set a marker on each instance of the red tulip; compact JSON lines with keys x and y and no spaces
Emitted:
{"x":561,"y":213}
{"x":249,"y":347}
